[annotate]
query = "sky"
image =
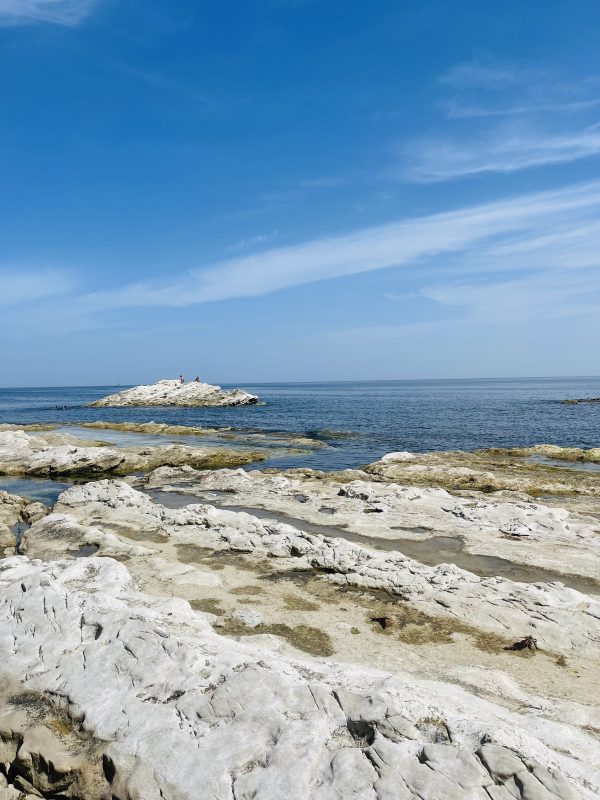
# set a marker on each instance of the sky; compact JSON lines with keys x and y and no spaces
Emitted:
{"x":298,"y":190}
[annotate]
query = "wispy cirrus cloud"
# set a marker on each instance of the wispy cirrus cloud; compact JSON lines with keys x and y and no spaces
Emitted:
{"x":504,"y":149}
{"x":523,"y":117}
{"x":59,"y":12}
{"x":457,"y":109}
{"x":19,"y":287}
{"x":466,"y":234}
{"x":543,"y":295}
{"x":253,"y":241}
{"x":175,"y":87}
{"x":478,"y":74}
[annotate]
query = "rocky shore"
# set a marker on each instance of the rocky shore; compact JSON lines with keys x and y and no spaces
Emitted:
{"x":175,"y":393}
{"x":426,"y":627}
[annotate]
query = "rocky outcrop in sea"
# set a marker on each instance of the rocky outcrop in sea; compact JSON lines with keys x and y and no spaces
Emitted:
{"x":175,"y":393}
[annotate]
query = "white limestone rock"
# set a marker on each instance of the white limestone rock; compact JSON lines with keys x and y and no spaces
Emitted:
{"x":23,"y":453}
{"x":248,"y":617}
{"x":521,"y":532}
{"x":186,"y":714}
{"x":558,"y":617}
{"x":175,"y":393}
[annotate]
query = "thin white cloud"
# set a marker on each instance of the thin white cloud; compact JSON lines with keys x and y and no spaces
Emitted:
{"x":252,"y":241}
{"x":174,"y":87}
{"x":18,"y":287}
{"x":59,"y":12}
{"x":505,"y":150}
{"x":547,"y":295}
{"x":162,"y":82}
{"x":458,"y":233}
{"x":323,"y":182}
{"x":456,"y":109}
{"x":481,"y":75}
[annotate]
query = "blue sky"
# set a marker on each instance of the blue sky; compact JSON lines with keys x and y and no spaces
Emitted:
{"x":298,"y":190}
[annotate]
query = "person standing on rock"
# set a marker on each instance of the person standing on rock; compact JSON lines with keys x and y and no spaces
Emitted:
{"x":181,"y":379}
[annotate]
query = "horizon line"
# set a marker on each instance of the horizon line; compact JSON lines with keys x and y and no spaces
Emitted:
{"x":316,"y":382}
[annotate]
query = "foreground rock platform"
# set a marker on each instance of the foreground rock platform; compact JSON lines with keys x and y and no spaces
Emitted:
{"x":231,"y":635}
{"x":175,"y":393}
{"x":172,"y":710}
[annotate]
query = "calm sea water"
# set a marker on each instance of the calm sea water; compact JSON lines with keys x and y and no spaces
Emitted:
{"x":360,"y":421}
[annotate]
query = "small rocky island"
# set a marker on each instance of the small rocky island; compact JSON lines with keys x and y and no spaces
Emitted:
{"x":578,"y":400}
{"x":176,"y":393}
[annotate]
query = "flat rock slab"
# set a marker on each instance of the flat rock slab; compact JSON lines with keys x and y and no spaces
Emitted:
{"x":175,"y":393}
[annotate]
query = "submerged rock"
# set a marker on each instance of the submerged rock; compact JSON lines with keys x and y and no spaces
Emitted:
{"x":175,"y":393}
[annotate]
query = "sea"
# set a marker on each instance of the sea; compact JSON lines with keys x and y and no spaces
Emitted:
{"x":357,"y":422}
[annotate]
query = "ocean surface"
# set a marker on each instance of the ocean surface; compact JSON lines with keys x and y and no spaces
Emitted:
{"x":357,"y":421}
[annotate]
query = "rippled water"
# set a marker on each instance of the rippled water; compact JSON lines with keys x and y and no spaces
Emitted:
{"x":360,"y":421}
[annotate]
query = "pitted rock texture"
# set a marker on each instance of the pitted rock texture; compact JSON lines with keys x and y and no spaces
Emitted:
{"x":175,"y":393}
{"x":185,"y":714}
{"x":559,"y":617}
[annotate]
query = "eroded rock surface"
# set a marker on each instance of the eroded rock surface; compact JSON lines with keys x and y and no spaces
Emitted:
{"x":559,"y":617}
{"x":185,"y":714}
{"x":175,"y":393}
{"x":16,"y":513}
{"x":45,"y":454}
{"x":43,"y":750}
{"x":492,"y":470}
{"x":516,"y":530}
